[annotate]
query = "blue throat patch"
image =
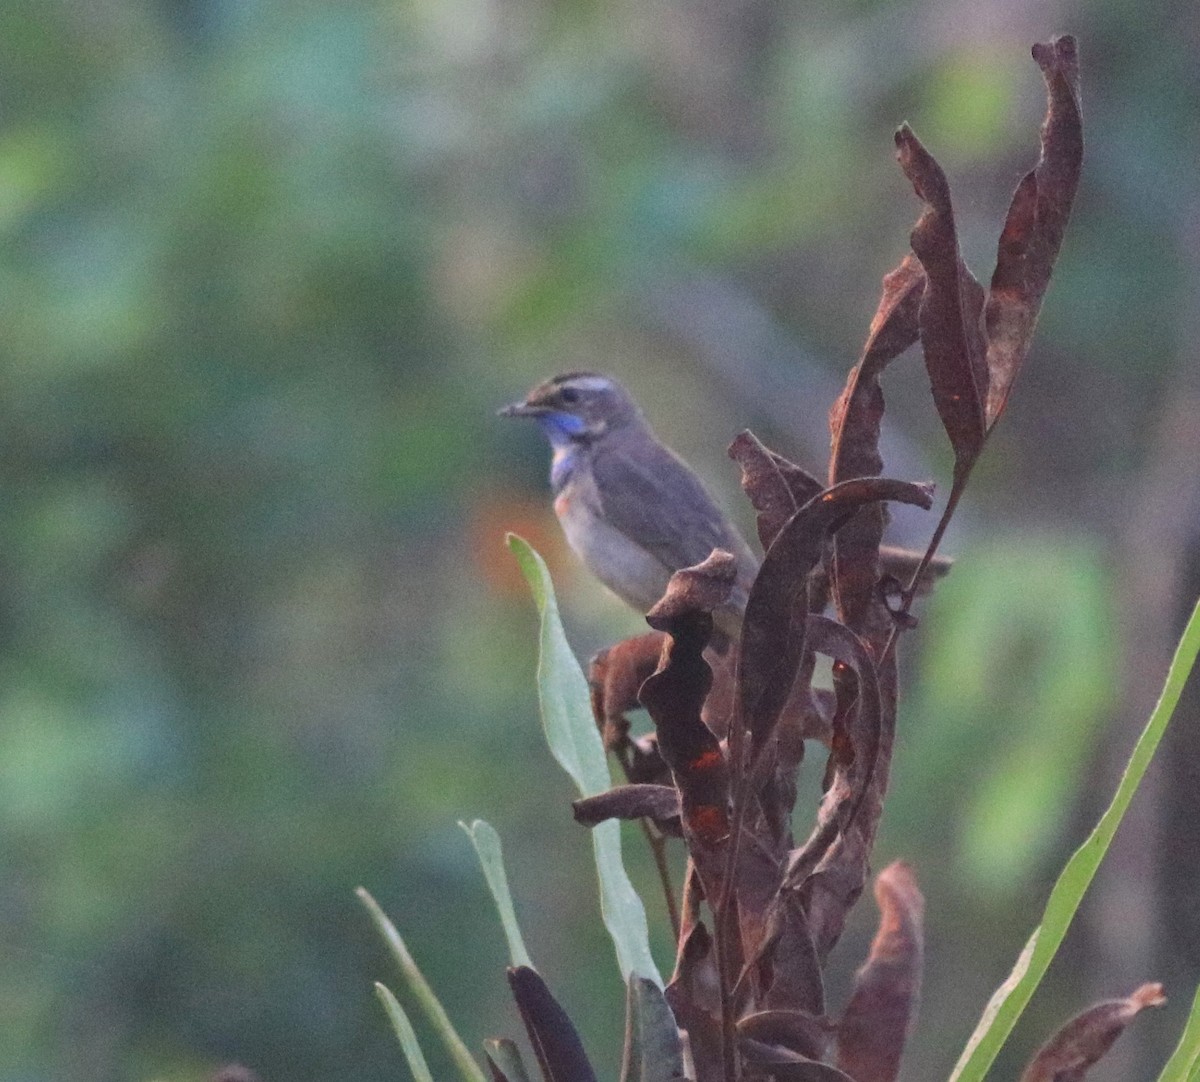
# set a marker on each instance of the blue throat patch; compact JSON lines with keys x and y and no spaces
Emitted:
{"x":561,"y":430}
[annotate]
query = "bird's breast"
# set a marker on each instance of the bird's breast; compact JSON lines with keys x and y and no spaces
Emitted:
{"x":567,"y":461}
{"x":632,"y":573}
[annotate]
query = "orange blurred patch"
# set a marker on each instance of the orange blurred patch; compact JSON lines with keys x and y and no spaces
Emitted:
{"x":495,"y":514}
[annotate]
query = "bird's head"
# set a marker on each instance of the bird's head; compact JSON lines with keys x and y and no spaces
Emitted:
{"x":577,"y":407}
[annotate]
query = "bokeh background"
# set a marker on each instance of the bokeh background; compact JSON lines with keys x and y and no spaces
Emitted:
{"x":266,"y":271}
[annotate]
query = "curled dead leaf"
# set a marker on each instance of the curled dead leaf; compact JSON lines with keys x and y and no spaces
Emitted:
{"x":874,"y":1027}
{"x":1034,"y":228}
{"x":1067,"y":1056}
{"x":951,"y":306}
{"x":773,"y":633}
{"x":776,"y":488}
{"x":674,"y":696}
{"x":657,"y":802}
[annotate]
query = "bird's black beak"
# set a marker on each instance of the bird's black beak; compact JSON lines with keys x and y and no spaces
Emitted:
{"x":519,"y":409}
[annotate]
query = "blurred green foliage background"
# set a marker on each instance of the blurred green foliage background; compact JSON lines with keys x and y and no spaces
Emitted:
{"x":266,"y":271}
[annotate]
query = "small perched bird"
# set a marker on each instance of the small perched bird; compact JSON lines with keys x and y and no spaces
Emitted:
{"x":630,"y":507}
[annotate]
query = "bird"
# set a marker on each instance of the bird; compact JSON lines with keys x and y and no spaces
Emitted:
{"x":630,"y":507}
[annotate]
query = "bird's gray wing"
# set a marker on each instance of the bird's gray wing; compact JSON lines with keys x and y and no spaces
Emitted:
{"x":655,"y":500}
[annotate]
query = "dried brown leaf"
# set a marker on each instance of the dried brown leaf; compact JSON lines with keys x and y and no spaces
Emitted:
{"x":718,"y":707}
{"x":788,"y":960}
{"x":951,"y":335}
{"x":773,"y":633}
{"x":1067,"y":1056}
{"x":786,"y":1066}
{"x":692,"y":590}
{"x":855,"y":425}
{"x":855,"y":418}
{"x":1033,"y":230}
{"x":657,"y":802}
{"x":877,"y":1020}
{"x":614,"y":677}
{"x":776,"y":488}
{"x":556,"y":1043}
{"x":756,"y":885}
{"x":855,"y":745}
{"x":797,"y":1031}
{"x":674,"y":697}
{"x":832,"y":888}
{"x":694,"y":996}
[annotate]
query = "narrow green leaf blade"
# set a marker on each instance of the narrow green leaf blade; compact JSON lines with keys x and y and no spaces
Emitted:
{"x":487,"y":846}
{"x":1010,"y":999}
{"x":421,"y":990}
{"x":405,"y":1034}
{"x":562,"y":688}
{"x":575,"y":742}
{"x":1184,"y":1064}
{"x":507,"y":1058}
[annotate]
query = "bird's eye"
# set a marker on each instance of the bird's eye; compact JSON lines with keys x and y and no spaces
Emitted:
{"x":569,"y":395}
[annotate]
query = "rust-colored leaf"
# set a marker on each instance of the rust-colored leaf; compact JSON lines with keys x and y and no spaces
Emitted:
{"x":1034,"y":228}
{"x":951,"y":335}
{"x":614,"y":677}
{"x":556,"y":1043}
{"x":877,"y":1020}
{"x":674,"y":697}
{"x":855,"y":422}
{"x":657,"y":802}
{"x":773,"y":633}
{"x":776,"y":488}
{"x":1067,"y":1056}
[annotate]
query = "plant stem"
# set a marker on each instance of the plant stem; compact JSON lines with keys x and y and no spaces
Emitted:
{"x":723,"y":908}
{"x":961,"y":474}
{"x":658,"y":847}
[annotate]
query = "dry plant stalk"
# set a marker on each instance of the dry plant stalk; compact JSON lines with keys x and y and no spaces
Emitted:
{"x":761,"y":912}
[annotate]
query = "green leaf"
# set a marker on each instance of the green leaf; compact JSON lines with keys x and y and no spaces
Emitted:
{"x":575,"y":742}
{"x":405,"y":1033}
{"x":504,"y":1054}
{"x":562,"y":688}
{"x":487,"y":845}
{"x":1184,"y":1064}
{"x":1006,"y":1005}
{"x":652,"y":1049}
{"x":424,"y":994}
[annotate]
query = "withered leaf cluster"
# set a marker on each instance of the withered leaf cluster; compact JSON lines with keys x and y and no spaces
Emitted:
{"x":761,"y":910}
